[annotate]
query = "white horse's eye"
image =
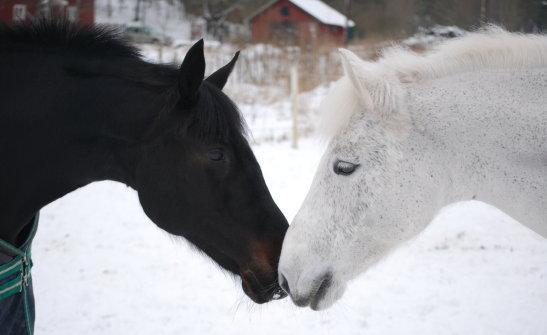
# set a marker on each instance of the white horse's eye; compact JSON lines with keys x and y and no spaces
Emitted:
{"x":344,"y":168}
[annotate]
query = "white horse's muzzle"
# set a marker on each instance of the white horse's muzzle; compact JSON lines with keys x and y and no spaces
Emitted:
{"x":312,"y":285}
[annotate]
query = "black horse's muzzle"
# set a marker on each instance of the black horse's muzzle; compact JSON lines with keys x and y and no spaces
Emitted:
{"x":261,"y":291}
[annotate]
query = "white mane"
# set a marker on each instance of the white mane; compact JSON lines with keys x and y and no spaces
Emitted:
{"x":490,"y":48}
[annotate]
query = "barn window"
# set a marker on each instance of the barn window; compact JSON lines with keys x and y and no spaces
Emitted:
{"x":284,"y":11}
{"x":19,"y":12}
{"x":72,"y":13}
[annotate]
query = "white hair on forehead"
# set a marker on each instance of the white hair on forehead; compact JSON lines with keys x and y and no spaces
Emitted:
{"x":490,"y":48}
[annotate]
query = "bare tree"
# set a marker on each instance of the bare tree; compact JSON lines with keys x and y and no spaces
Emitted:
{"x":215,"y":17}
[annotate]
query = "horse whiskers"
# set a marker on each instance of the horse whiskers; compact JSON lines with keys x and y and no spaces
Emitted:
{"x":271,"y":286}
{"x":268,"y":289}
{"x":237,"y":304}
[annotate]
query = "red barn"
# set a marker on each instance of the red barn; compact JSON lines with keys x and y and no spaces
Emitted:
{"x":299,"y":22}
{"x":80,"y":11}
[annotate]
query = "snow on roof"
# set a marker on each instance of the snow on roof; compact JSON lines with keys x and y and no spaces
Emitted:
{"x":316,"y":8}
{"x":323,"y":12}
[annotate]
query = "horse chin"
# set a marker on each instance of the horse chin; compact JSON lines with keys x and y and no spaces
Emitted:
{"x":324,"y":300}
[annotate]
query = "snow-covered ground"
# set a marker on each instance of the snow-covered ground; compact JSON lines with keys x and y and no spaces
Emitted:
{"x":101,"y":267}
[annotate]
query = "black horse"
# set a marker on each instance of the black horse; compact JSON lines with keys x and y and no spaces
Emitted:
{"x":79,"y":105}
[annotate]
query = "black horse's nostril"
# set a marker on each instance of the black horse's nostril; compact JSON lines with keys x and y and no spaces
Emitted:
{"x":284,"y":284}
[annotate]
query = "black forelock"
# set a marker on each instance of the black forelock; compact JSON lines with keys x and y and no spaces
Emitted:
{"x":215,"y":116}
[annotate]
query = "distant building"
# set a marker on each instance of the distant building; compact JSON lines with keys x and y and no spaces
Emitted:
{"x":79,"y":11}
{"x":298,"y":22}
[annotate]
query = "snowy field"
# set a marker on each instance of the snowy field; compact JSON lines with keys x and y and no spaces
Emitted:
{"x":101,"y":267}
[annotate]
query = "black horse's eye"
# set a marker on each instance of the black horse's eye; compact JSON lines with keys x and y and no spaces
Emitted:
{"x":344,"y":168}
{"x":215,"y":155}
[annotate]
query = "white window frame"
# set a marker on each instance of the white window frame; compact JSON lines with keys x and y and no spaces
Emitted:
{"x":19,"y":12}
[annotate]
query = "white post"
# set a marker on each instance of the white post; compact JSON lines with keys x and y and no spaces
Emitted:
{"x":175,"y":57}
{"x":294,"y":103}
{"x":160,"y":52}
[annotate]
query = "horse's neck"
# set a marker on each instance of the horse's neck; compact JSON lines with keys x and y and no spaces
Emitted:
{"x":485,"y":134}
{"x":55,"y":140}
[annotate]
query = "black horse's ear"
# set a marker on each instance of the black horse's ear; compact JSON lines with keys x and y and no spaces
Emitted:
{"x":191,"y":73}
{"x":220,"y":76}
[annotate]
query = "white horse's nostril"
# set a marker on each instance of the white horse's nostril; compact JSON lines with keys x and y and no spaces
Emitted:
{"x":325,"y":283}
{"x":312,"y":293}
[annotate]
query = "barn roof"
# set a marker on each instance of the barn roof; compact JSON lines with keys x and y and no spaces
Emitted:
{"x":316,"y":8}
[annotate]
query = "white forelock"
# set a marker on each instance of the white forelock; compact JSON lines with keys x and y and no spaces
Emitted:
{"x":490,"y":48}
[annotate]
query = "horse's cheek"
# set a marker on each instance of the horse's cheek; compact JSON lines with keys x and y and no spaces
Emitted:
{"x":157,"y":192}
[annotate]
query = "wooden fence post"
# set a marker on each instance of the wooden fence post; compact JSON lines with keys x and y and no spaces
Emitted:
{"x":294,"y":103}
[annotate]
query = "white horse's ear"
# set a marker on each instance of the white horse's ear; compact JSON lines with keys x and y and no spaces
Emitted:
{"x":378,"y":90}
{"x":354,"y":69}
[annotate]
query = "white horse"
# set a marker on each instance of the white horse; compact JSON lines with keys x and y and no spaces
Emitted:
{"x":411,"y":134}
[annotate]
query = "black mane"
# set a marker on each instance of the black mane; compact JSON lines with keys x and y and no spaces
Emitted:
{"x":89,"y":39}
{"x":99,"y":51}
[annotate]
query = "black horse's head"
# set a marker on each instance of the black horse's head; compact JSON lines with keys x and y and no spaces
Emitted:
{"x":198,"y":178}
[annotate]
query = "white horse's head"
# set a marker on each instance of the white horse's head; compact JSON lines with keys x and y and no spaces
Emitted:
{"x":341,"y":220}
{"x":385,"y":174}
